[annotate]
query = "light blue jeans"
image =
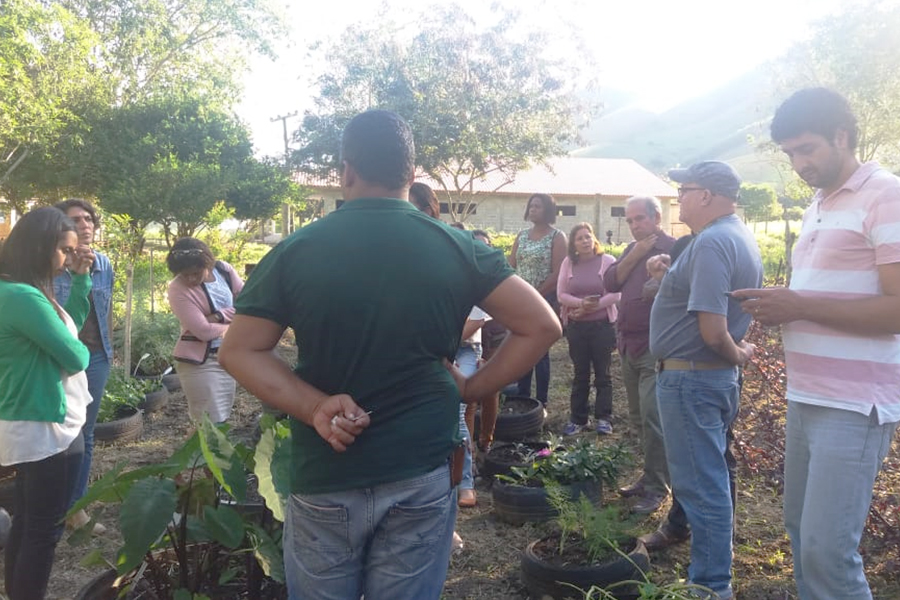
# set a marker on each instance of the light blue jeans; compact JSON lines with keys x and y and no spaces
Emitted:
{"x":388,"y":541}
{"x":97,"y":374}
{"x":467,"y":361}
{"x":695,"y":409}
{"x":831,"y":459}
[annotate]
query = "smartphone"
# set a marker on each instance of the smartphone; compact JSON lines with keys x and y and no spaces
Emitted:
{"x":731,"y":295}
{"x":593,"y":298}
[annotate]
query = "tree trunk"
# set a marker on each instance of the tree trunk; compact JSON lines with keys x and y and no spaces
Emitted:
{"x":129,"y":295}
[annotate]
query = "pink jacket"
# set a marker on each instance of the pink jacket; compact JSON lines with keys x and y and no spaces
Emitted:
{"x":191,"y":305}
{"x":567,"y":301}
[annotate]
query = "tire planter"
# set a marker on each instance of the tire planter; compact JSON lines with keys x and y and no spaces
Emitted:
{"x":155,"y":400}
{"x":544,"y":579}
{"x":518,"y":504}
{"x":499,"y":462}
{"x":172,"y":382}
{"x":100,"y":587}
{"x":519,"y":417}
{"x":127,"y":427}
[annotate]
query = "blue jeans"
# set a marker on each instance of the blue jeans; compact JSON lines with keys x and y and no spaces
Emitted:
{"x":696,"y":408}
{"x":97,"y":374}
{"x":43,"y":488}
{"x":388,"y":541}
{"x":831,"y":459}
{"x":467,"y":361}
{"x":542,"y":374}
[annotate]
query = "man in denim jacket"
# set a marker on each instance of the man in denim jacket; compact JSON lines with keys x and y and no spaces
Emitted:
{"x":97,"y":329}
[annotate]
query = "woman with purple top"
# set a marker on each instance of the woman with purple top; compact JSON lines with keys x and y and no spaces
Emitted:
{"x":589,"y":313}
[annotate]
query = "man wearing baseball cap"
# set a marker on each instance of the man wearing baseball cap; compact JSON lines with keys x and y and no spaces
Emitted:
{"x":696,"y":333}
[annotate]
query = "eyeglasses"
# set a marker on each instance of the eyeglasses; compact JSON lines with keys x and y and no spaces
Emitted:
{"x":684,"y":190}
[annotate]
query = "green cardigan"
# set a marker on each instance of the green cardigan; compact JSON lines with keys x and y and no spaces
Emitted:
{"x":35,"y":346}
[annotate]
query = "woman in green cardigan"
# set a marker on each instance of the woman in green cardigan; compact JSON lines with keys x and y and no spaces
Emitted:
{"x":43,"y":389}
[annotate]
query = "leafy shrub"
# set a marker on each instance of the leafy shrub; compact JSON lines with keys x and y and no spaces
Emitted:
{"x":121,"y":391}
{"x":154,"y":335}
{"x":584,"y":461}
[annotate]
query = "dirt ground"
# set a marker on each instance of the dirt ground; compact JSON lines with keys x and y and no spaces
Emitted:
{"x":488,"y":566}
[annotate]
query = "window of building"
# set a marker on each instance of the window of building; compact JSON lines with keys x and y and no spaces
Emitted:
{"x":566,"y":210}
{"x":617,"y":211}
{"x":458,"y":208}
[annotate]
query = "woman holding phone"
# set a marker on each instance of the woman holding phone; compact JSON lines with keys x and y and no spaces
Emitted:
{"x":589,"y":314}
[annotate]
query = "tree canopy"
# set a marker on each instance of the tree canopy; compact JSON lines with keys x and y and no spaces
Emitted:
{"x":45,"y":67}
{"x":479,"y":102}
{"x":857,"y":53}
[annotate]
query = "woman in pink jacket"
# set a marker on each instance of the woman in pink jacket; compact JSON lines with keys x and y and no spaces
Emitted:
{"x":202,"y":297}
{"x":589,"y":313}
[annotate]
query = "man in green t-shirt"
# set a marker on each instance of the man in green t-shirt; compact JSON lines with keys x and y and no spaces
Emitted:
{"x":377,"y":294}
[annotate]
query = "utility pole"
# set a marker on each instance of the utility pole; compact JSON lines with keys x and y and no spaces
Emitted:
{"x":285,"y":208}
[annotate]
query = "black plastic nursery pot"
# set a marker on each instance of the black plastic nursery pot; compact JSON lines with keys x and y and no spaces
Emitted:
{"x":518,"y":504}
{"x":570,"y":580}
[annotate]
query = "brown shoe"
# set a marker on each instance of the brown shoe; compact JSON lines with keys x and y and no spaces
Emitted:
{"x":647,"y":504}
{"x":662,"y":539}
{"x":635,"y":489}
{"x":467,"y":499}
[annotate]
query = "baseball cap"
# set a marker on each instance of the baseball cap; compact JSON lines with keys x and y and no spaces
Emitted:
{"x":714,"y":175}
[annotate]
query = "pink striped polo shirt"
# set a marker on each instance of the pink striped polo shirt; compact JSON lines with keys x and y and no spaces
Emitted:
{"x":843,"y":240}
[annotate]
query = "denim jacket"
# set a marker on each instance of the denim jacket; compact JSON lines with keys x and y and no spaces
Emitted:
{"x":101,"y":293}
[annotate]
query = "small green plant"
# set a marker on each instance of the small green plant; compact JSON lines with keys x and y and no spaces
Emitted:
{"x":122,"y":391}
{"x":601,"y":531}
{"x":585,"y":460}
{"x":154,"y":335}
{"x":647,"y":590}
{"x":181,"y":526}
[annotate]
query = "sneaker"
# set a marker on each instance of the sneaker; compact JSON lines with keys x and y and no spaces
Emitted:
{"x":604,"y":427}
{"x":575,"y":428}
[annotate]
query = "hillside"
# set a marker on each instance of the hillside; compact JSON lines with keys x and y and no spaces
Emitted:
{"x":718,"y":125}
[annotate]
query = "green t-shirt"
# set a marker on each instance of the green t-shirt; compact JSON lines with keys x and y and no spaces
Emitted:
{"x":377,"y":294}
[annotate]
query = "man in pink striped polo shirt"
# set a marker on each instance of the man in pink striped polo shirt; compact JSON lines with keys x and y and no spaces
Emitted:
{"x":841,"y":318}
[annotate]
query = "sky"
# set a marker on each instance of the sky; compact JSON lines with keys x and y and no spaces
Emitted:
{"x":662,"y":51}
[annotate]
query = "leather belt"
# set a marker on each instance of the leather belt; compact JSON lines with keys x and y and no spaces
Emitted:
{"x":677,"y":364}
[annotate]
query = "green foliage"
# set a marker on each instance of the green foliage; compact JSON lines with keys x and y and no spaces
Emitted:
{"x":273,"y":464}
{"x":857,"y":53}
{"x":602,"y":531}
{"x":760,"y":202}
{"x":647,"y":590}
{"x":45,"y":68}
{"x":585,"y":460}
{"x":122,"y":391}
{"x":177,"y":506}
{"x":143,"y":517}
{"x":154,"y":335}
{"x":479,"y":101}
{"x":151,"y":47}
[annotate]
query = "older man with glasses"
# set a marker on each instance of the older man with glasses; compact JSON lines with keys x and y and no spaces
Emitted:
{"x":696,"y":333}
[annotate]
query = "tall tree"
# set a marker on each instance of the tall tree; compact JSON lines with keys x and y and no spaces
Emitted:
{"x":152,"y":47}
{"x":45,"y":66}
{"x":760,"y":203}
{"x":480,"y":102}
{"x":856,"y":52}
